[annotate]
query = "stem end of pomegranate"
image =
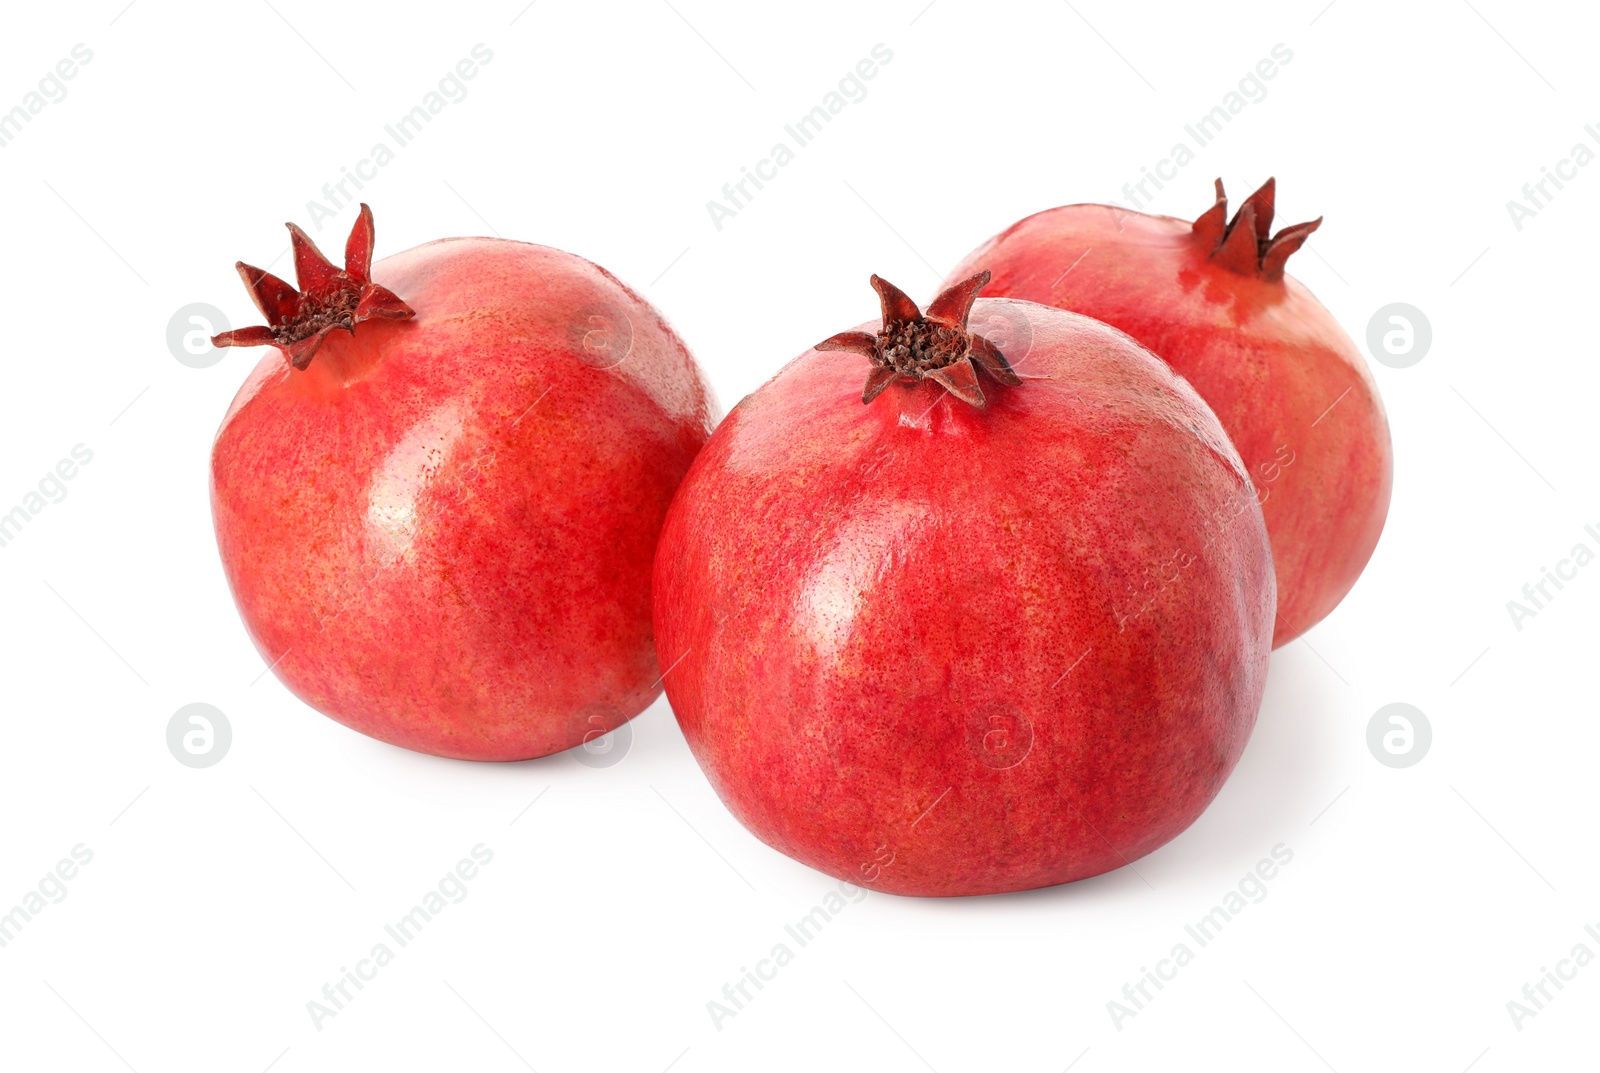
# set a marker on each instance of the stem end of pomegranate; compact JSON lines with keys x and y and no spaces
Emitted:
{"x":937,"y":346}
{"x":326,"y":299}
{"x":1246,"y":244}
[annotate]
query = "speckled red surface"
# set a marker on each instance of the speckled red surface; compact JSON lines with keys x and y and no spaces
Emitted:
{"x":440,"y":532}
{"x":1283,"y":377}
{"x":940,"y":650}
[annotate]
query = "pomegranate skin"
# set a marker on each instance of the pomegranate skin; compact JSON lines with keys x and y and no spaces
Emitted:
{"x":938,"y":649}
{"x":440,"y":532}
{"x":1288,"y":384}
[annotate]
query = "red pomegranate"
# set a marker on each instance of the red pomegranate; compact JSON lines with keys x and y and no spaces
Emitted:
{"x":1211,"y":298}
{"x":978,"y":635}
{"x":438,"y":515}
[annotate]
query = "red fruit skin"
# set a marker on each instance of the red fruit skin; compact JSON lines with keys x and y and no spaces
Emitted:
{"x":1266,"y":356}
{"x":933,"y":649}
{"x":440,"y":532}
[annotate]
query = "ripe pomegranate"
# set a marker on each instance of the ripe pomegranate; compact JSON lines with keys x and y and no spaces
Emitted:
{"x":978,"y":635}
{"x":1289,"y":386}
{"x":438,"y":515}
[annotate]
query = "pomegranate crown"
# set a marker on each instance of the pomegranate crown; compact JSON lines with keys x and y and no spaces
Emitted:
{"x":298,"y":320}
{"x":936,"y":347}
{"x":1245,"y":244}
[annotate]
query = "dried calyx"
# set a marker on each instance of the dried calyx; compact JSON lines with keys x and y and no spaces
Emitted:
{"x":935,"y":347}
{"x":1245,"y":244}
{"x":328,"y":298}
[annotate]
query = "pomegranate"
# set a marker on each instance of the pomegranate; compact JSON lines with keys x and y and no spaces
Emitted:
{"x":437,"y":507}
{"x":1289,"y":386}
{"x":1005,"y":626}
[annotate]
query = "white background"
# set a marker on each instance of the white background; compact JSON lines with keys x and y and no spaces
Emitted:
{"x":220,"y":901}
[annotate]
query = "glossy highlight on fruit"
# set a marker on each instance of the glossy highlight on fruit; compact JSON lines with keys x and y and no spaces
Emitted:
{"x":437,"y":499}
{"x":1210,"y":297}
{"x":951,"y":610}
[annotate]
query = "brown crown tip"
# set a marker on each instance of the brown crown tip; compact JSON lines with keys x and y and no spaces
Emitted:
{"x":326,"y":299}
{"x":1245,"y":244}
{"x":937,"y":346}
